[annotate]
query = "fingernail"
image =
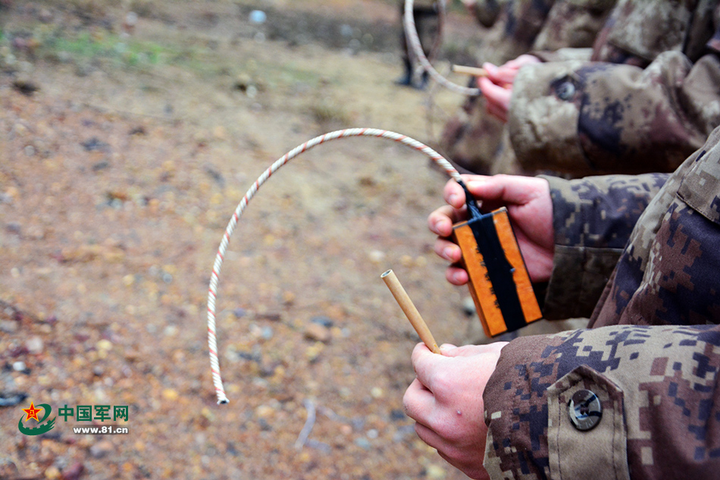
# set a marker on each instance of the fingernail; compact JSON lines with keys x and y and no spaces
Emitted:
{"x":473,"y":184}
{"x":447,"y":253}
{"x":452,"y":199}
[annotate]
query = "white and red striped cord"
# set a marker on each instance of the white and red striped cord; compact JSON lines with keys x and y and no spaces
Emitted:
{"x":414,"y":40}
{"x":215,"y":276}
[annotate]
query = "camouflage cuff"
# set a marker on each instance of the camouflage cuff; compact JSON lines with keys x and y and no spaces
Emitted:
{"x":657,"y":392}
{"x":543,"y":119}
{"x":530,"y":432}
{"x":600,"y":211}
{"x":516,"y":411}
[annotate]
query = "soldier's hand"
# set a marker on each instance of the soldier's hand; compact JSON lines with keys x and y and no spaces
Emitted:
{"x":529,"y":207}
{"x":446,"y":402}
{"x":497,"y":87}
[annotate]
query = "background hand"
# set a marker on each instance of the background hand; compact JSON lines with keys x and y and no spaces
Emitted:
{"x":497,"y":87}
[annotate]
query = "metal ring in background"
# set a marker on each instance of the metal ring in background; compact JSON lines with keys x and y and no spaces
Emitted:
{"x":414,"y":39}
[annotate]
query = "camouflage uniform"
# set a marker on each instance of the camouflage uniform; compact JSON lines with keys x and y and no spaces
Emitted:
{"x":644,"y":99}
{"x":472,"y":138}
{"x":652,"y":355}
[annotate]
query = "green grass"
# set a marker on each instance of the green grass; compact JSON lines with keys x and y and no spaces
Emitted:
{"x":119,"y":51}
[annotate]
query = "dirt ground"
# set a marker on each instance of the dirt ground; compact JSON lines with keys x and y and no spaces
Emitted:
{"x":124,"y":150}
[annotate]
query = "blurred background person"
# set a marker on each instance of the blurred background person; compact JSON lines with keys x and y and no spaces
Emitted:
{"x":643,"y":99}
{"x":474,"y":140}
{"x":427,"y":24}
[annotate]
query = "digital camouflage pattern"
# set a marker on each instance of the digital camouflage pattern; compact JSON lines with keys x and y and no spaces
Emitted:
{"x":652,"y":353}
{"x":646,"y":101}
{"x":593,"y":219}
{"x":473,"y":139}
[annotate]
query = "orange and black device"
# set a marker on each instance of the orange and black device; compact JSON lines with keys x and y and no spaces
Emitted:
{"x":499,"y":281}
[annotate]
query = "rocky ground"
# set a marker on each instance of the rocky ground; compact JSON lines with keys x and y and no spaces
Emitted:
{"x":124,"y":148}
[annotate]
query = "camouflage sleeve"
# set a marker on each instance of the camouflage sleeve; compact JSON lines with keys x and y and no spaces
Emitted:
{"x":647,"y":405}
{"x":593,"y":118}
{"x":593,"y":219}
{"x":573,"y":23}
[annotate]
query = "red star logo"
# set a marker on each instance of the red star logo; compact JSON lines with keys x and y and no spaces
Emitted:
{"x":31,"y":412}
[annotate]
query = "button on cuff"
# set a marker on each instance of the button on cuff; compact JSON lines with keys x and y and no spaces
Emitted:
{"x":585,"y":410}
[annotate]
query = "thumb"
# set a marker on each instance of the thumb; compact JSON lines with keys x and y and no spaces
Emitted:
{"x":464,"y":351}
{"x":447,"y":348}
{"x":471,"y":350}
{"x":512,"y":189}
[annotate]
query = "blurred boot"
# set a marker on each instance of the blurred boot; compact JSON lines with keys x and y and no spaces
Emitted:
{"x":406,"y":79}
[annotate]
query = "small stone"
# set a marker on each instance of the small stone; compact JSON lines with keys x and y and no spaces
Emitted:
{"x":19,"y":366}
{"x":73,"y":472}
{"x":376,"y":392}
{"x":10,"y":400}
{"x":102,"y":448}
{"x":242,"y":82}
{"x":406,"y":261}
{"x":435,"y":472}
{"x":372,"y":433}
{"x":104,"y":344}
{"x":14,"y":227}
{"x":403,"y":432}
{"x":376,"y":256}
{"x":9,"y":326}
{"x":314,"y":351}
{"x":207,"y":413}
{"x":468,"y":306}
{"x":45,"y":15}
{"x":170,"y":331}
{"x":170,"y":395}
{"x":317,"y":332}
{"x":288,"y":298}
{"x":52,"y":473}
{"x":363,"y":443}
{"x":257,"y":16}
{"x":322,"y":320}
{"x":264,"y":411}
{"x":264,"y":425}
{"x":397,"y":415}
{"x":34,"y":345}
